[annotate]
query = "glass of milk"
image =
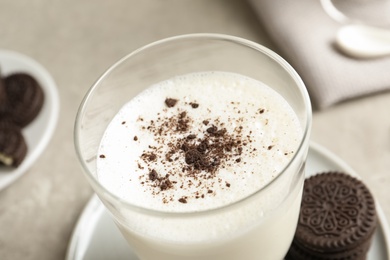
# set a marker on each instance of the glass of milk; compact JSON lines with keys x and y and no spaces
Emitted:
{"x":250,"y":108}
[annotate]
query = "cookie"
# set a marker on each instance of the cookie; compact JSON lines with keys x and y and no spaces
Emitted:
{"x":13,"y":148}
{"x":3,"y":99}
{"x":25,"y":98}
{"x":337,"y":219}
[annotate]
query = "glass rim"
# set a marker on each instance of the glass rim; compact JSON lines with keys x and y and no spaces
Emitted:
{"x":210,"y":36}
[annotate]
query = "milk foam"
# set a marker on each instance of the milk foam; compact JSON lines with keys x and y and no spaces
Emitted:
{"x":144,"y":138}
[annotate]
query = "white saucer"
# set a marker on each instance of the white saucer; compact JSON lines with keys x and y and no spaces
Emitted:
{"x":39,"y":132}
{"x":96,"y":236}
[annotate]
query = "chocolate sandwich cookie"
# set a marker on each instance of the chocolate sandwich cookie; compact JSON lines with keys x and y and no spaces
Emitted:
{"x":3,"y":98}
{"x":24,"y":98}
{"x":337,"y":219}
{"x":13,"y":147}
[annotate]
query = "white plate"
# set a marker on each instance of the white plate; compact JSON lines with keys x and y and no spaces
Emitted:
{"x":38,"y":133}
{"x":97,"y":237}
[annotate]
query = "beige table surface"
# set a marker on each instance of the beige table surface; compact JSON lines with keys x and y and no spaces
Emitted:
{"x":76,"y":40}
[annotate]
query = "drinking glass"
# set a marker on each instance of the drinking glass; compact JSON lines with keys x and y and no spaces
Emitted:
{"x":368,"y":12}
{"x":260,"y":226}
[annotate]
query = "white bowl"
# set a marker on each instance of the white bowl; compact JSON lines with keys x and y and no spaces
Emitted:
{"x":39,"y":132}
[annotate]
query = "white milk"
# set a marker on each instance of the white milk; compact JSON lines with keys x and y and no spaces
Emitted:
{"x":152,"y":155}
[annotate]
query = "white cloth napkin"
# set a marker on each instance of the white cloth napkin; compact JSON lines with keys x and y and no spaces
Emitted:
{"x":304,"y":35}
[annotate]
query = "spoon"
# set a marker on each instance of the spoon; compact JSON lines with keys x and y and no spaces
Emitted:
{"x":362,"y":41}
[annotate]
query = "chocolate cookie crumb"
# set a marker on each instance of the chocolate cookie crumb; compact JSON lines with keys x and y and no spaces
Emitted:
{"x":135,"y":138}
{"x":192,"y":156}
{"x":194,"y":105}
{"x":262,"y":110}
{"x":102,"y":156}
{"x":165,"y":184}
{"x":170,"y":102}
{"x":191,"y":136}
{"x":211,"y":130}
{"x":183,"y":200}
{"x":149,"y":157}
{"x":153,"y":175}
